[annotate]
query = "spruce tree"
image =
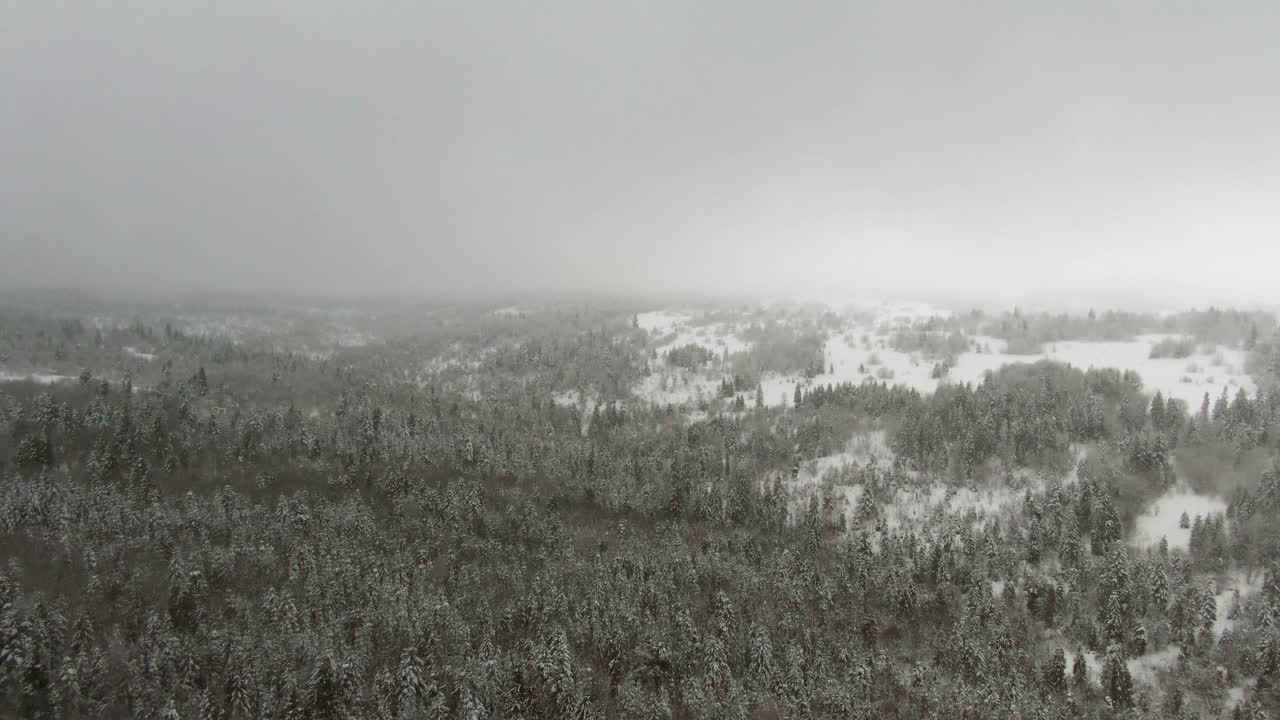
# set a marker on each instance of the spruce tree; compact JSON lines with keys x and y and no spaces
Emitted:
{"x":1119,"y":685}
{"x":1158,"y":411}
{"x":1079,"y":670}
{"x":1055,"y":674}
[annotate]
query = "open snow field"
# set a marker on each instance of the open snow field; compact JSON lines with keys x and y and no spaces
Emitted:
{"x":1186,"y":379}
{"x":510,"y":311}
{"x":715,"y":337}
{"x":1231,"y":597}
{"x":39,"y":378}
{"x":134,"y":352}
{"x":679,"y":386}
{"x":1161,"y":518}
{"x":860,"y":351}
{"x":911,"y":508}
{"x":1143,"y":669}
{"x":676,"y":386}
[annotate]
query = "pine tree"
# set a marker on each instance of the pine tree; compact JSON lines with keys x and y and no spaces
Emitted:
{"x":1055,"y":674}
{"x":1158,"y":411}
{"x":1172,"y":706}
{"x":799,"y":397}
{"x":1106,"y":525}
{"x":1208,"y":610}
{"x":1221,"y":406}
{"x":1139,"y":644}
{"x":1079,"y":670}
{"x":1114,"y":620}
{"x":759,"y":396}
{"x":1119,"y":684}
{"x":1159,"y":584}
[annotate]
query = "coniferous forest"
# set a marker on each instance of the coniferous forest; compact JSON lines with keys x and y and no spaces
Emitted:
{"x":238,"y":512}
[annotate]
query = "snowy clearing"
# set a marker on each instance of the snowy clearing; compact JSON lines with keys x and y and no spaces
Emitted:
{"x":1186,"y":379}
{"x":510,"y":311}
{"x":661,"y":322}
{"x":859,"y":351}
{"x":139,"y":354}
{"x":1162,"y":517}
{"x":1143,"y":669}
{"x":39,"y":378}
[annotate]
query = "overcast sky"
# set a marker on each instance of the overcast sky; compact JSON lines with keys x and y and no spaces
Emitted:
{"x":1063,"y":148}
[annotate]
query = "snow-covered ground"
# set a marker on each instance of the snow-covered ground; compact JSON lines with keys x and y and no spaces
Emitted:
{"x":1143,"y":669}
{"x":661,"y":322}
{"x":40,"y":378}
{"x":511,"y":311}
{"x":139,"y":354}
{"x":1162,"y":516}
{"x":676,"y":386}
{"x":859,"y":351}
{"x":1236,"y":695}
{"x":884,"y":311}
{"x":234,"y":326}
{"x":350,"y":337}
{"x":915,"y":507}
{"x":715,"y":337}
{"x":679,"y":386}
{"x":1231,"y":596}
{"x":1146,"y":668}
{"x":910,"y":508}
{"x":1186,"y":379}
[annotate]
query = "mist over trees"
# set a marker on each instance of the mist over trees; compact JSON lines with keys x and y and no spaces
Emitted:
{"x":221,"y":524}
{"x":656,"y":361}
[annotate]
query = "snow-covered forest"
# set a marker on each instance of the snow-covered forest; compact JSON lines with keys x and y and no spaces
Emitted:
{"x":624,"y":511}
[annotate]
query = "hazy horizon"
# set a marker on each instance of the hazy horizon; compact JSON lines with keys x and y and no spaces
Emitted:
{"x":1090,"y":154}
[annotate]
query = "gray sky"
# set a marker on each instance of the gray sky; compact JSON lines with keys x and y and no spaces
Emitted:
{"x":1015,"y":148}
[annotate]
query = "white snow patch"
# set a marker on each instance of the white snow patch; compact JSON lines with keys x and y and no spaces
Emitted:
{"x":1167,"y":375}
{"x":997,"y":589}
{"x":892,"y":312}
{"x":677,"y":386}
{"x":38,"y":378}
{"x":715,"y":338}
{"x":863,"y":449}
{"x":1170,"y":376}
{"x":662,"y":322}
{"x":914,"y":507}
{"x":1145,"y":668}
{"x":1231,"y":598}
{"x":1236,"y":695}
{"x":1162,"y":517}
{"x":568,"y":398}
{"x":350,"y":338}
{"x":139,"y":354}
{"x":1092,"y":665}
